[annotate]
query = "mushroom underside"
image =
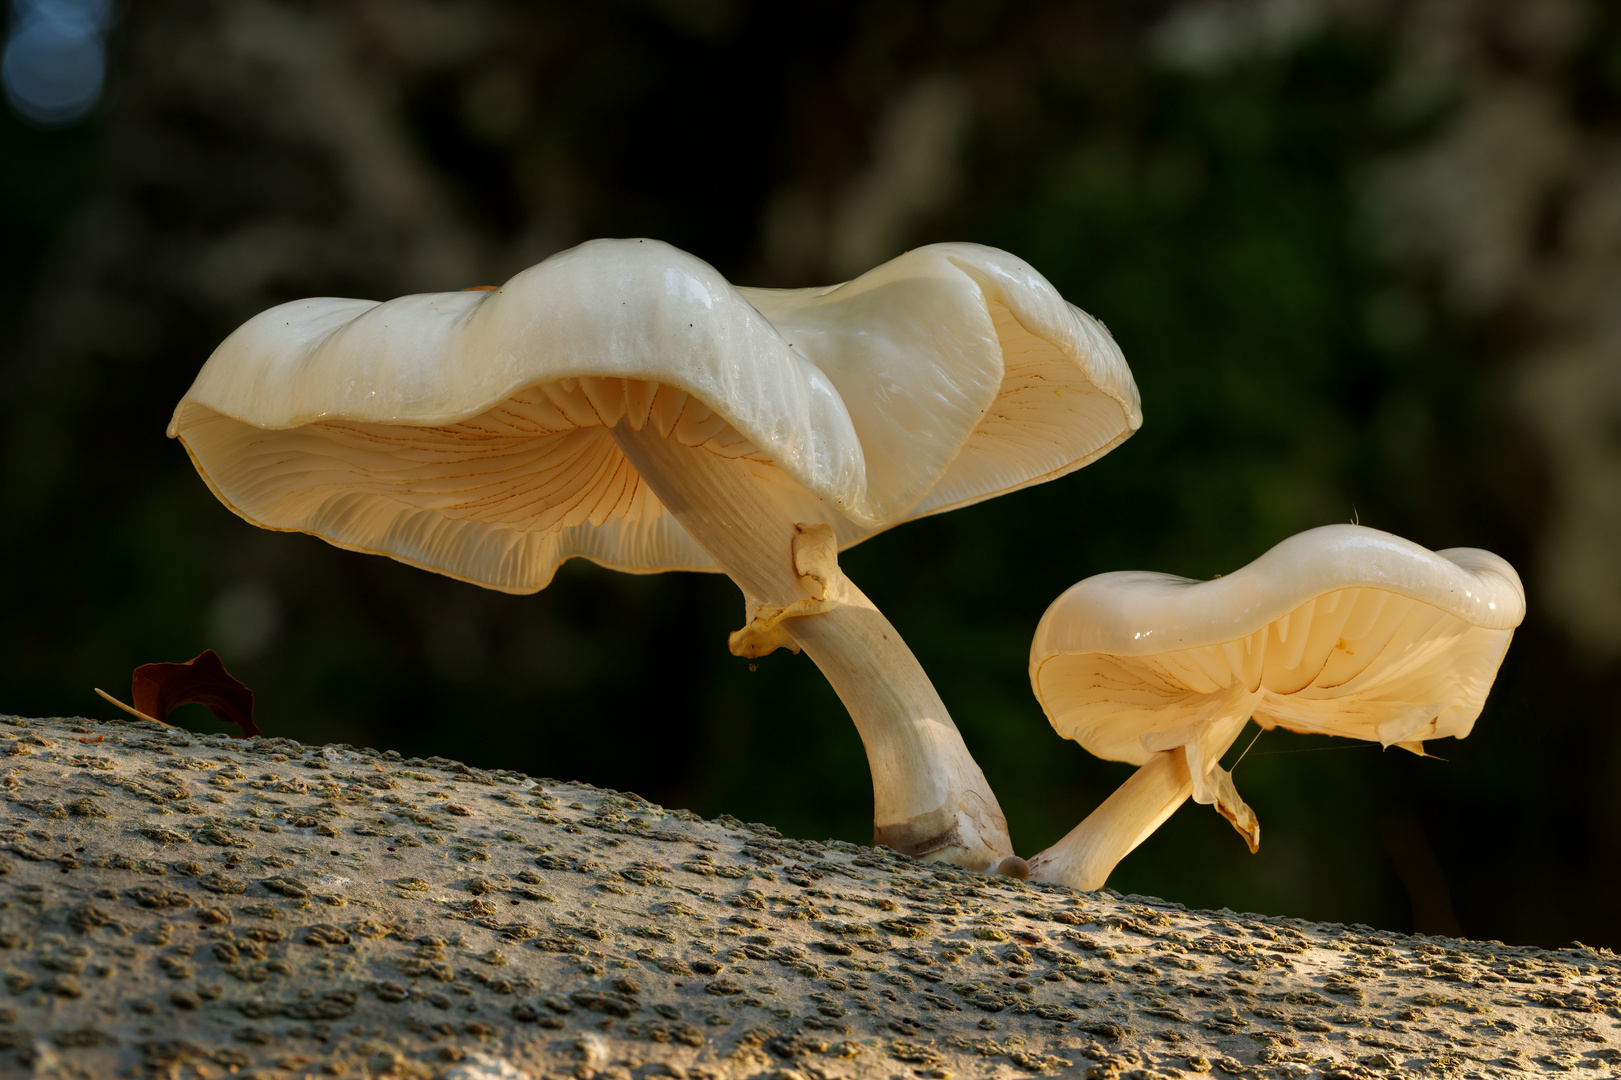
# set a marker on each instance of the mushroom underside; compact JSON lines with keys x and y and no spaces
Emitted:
{"x":1363,"y":663}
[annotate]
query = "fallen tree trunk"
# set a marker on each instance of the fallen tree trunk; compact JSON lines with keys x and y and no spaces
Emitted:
{"x":189,"y":905}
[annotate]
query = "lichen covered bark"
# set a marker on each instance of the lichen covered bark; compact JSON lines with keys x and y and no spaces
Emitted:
{"x":190,"y":906}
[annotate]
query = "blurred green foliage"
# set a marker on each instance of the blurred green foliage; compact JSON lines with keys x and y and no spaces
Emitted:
{"x":1210,"y":219}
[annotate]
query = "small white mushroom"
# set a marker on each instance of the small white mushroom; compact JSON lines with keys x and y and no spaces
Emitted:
{"x":623,"y":402}
{"x":1341,"y":630}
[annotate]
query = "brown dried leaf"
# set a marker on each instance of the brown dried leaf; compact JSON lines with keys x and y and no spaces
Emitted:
{"x":202,"y":680}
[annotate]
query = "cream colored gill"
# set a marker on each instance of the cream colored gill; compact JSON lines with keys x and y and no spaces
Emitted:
{"x":500,"y":499}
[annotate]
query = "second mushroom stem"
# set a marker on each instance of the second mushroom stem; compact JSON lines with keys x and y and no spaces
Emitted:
{"x":1085,"y":857}
{"x":1184,"y":764}
{"x":930,"y":799}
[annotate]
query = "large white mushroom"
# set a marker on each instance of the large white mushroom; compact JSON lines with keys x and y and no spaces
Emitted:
{"x":623,"y":402}
{"x":1342,"y":630}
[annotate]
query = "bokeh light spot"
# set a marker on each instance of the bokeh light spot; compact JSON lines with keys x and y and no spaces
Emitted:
{"x":54,"y":64}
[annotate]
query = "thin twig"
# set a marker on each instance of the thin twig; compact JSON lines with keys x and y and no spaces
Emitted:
{"x":128,"y":709}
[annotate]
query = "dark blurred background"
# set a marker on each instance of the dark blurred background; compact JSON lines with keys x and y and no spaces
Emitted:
{"x":1364,"y":259}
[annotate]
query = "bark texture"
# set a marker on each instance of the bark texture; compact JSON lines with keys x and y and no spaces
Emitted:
{"x":194,"y":906}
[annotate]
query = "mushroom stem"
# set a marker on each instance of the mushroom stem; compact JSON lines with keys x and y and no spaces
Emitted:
{"x":930,"y":799}
{"x":1085,"y":858}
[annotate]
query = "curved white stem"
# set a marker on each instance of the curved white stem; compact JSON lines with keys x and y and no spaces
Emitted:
{"x":1086,"y":857}
{"x":930,"y":799}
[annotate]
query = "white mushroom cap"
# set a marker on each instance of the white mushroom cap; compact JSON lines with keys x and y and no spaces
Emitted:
{"x":469,"y":432}
{"x":1342,"y":630}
